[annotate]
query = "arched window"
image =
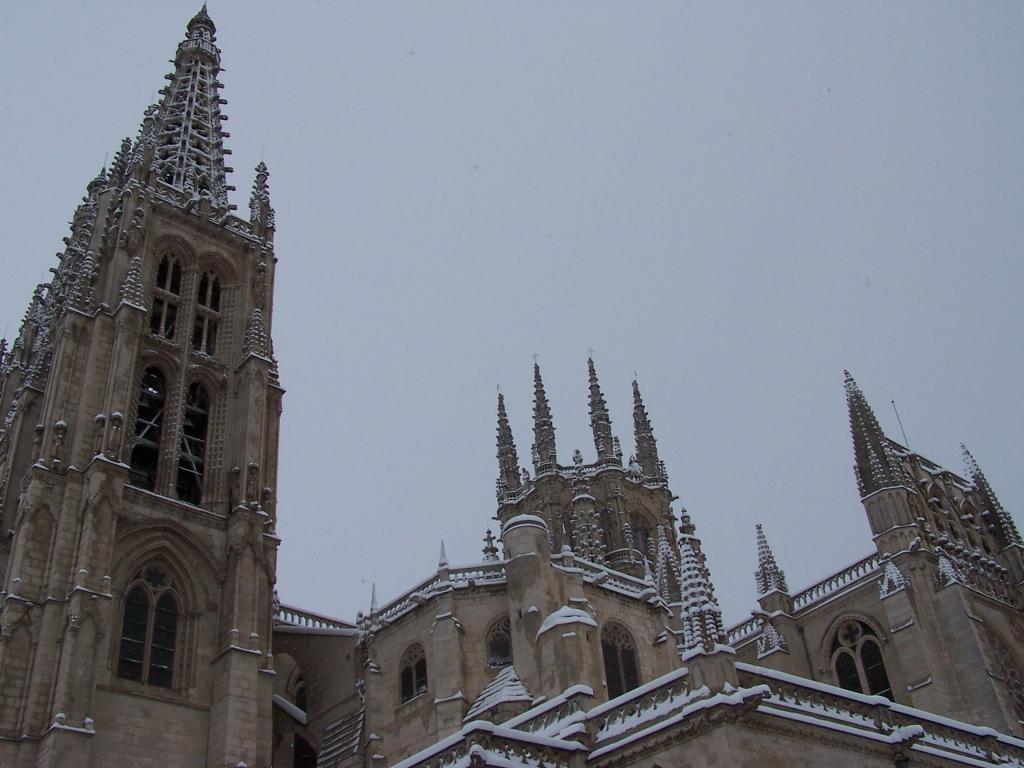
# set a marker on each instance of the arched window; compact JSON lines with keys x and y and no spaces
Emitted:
{"x":499,"y":644}
{"x":193,"y":445}
{"x":149,"y":629}
{"x":857,"y":660}
{"x":148,"y":422}
{"x":413,"y":673}
{"x":204,"y":331}
{"x":166,"y":294}
{"x":619,"y":651}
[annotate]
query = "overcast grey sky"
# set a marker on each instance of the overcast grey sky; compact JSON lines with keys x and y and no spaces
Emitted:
{"x":737,"y":200}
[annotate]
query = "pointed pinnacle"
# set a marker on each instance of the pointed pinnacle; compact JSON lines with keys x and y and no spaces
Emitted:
{"x":442,"y":560}
{"x":373,"y":598}
{"x":508,"y":460}
{"x":544,"y":454}
{"x":646,"y":445}
{"x":769,"y":577}
{"x":876,"y":466}
{"x":600,"y":421}
{"x":1005,"y":527}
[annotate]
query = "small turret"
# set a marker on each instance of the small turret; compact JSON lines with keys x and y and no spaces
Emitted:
{"x":545,"y":457}
{"x":508,"y":461}
{"x":600,"y":421}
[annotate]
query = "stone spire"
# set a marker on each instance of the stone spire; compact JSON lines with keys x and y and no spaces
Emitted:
{"x":261,"y":214}
{"x":1005,"y":528}
{"x":646,"y":445}
{"x":256,"y":341}
{"x":876,"y":466}
{"x":768,"y":577}
{"x":544,"y":456}
{"x":131,"y":286}
{"x":600,"y":421}
{"x":185,"y":131}
{"x":699,"y":612}
{"x":508,"y":460}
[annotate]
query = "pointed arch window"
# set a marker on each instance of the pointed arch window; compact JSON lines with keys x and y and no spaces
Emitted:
{"x":857,"y":661}
{"x":413,"y":675}
{"x":619,"y":652}
{"x":163,"y":320}
{"x":148,"y":423}
{"x":499,"y":644}
{"x":149,"y":629}
{"x":191,"y":462}
{"x":204,"y":330}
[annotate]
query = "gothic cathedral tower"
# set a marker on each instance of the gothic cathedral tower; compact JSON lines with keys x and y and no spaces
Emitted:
{"x":138,"y":461}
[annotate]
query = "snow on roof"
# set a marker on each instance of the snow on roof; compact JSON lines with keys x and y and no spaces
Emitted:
{"x":566,"y":615}
{"x":505,"y":687}
{"x":341,"y":739}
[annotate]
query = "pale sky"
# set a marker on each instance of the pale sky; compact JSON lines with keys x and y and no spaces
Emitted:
{"x":736,"y":200}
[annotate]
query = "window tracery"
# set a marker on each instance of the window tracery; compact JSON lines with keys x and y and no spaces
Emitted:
{"x":499,"y":644}
{"x":207,"y":319}
{"x":857,"y":661}
{"x":149,"y":628}
{"x":413,"y":674}
{"x":620,"y":667}
{"x":166,"y":296}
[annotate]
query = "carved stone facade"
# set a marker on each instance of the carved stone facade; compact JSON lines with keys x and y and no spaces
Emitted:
{"x":139,"y":623}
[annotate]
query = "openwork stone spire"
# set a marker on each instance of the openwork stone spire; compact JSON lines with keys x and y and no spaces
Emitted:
{"x":1006,"y":528}
{"x":544,"y":455}
{"x":876,"y":466}
{"x":600,"y":421}
{"x":699,"y":612}
{"x":186,"y":129}
{"x":768,"y":577}
{"x":508,"y":460}
{"x":646,"y":445}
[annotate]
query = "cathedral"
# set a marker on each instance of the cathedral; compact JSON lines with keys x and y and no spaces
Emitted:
{"x":139,"y":425}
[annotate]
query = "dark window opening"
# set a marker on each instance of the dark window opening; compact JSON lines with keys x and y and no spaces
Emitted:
{"x":193,"y":445}
{"x":874,"y":669}
{"x":857,"y":661}
{"x":304,"y":754}
{"x":619,"y":653}
{"x":413,"y":675}
{"x":146,"y":449}
{"x":499,"y":644}
{"x":163,"y":318}
{"x":846,"y":672}
{"x":204,"y":331}
{"x":149,"y":630}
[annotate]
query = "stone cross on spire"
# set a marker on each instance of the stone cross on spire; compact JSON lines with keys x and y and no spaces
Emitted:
{"x":600,"y":421}
{"x":544,"y":456}
{"x":768,"y":577}
{"x":876,"y":466}
{"x":508,"y":460}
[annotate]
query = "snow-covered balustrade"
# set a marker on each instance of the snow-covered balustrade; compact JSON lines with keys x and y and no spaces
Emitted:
{"x":602,"y":576}
{"x":495,"y":745}
{"x":551,"y":716}
{"x":879,"y":719}
{"x":837,"y":582}
{"x":297,"y":617}
{"x":479,"y":574}
{"x":641,"y":706}
{"x":745,"y":630}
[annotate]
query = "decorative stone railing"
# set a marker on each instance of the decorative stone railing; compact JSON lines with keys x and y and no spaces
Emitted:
{"x":879,"y":718}
{"x":869,"y":566}
{"x":641,"y":706}
{"x":602,"y":576}
{"x":468,"y":576}
{"x":483,"y":739}
{"x":297,"y":617}
{"x":744,"y":630}
{"x":551,"y":715}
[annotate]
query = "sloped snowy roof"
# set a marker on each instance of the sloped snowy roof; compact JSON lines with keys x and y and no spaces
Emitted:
{"x":341,"y":739}
{"x":505,"y":687}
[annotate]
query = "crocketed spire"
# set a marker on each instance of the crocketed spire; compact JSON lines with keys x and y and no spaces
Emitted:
{"x":646,"y":445}
{"x":256,"y":341}
{"x":131,"y":286}
{"x":600,"y":421}
{"x":768,"y":577}
{"x":876,"y":466}
{"x":185,"y":130}
{"x":699,"y":612}
{"x":544,"y":456}
{"x":1005,"y":528}
{"x":508,"y":460}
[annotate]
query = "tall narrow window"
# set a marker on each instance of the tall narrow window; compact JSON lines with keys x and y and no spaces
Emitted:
{"x":166,"y":294}
{"x":193,"y":445}
{"x":857,"y":660}
{"x":413,"y":673}
{"x":619,"y":652}
{"x":204,"y":331}
{"x":146,"y":447}
{"x":499,"y":644}
{"x":149,"y":629}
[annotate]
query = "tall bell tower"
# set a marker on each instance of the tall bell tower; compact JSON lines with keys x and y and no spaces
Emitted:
{"x":139,"y":413}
